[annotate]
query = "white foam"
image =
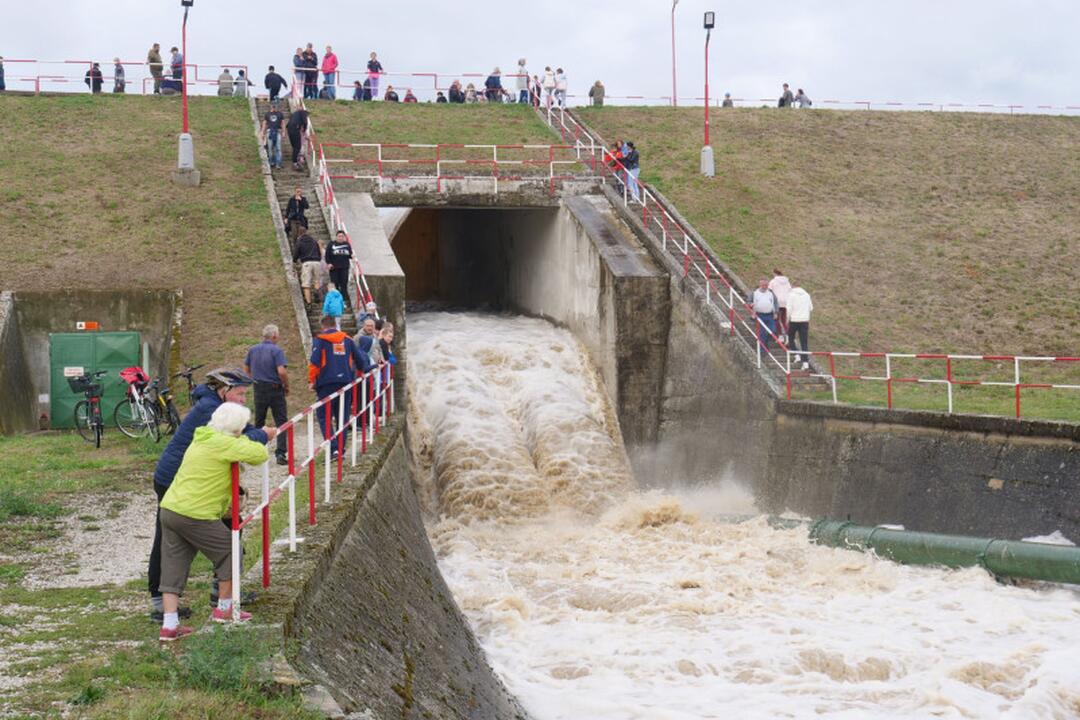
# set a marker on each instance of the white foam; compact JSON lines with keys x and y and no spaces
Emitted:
{"x":596,"y":601}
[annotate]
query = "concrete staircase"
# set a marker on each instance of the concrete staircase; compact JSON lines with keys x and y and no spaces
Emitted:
{"x":286,"y":180}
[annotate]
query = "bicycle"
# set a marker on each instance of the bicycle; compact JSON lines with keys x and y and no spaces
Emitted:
{"x":187,"y":374}
{"x":134,"y":415}
{"x":88,"y":420}
{"x":160,"y":397}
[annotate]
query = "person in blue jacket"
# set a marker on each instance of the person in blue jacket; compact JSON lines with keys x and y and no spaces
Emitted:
{"x":222,"y":385}
{"x":334,"y":363}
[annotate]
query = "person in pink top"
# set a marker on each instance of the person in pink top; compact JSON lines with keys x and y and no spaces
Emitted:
{"x":329,"y":70}
{"x":781,"y":286}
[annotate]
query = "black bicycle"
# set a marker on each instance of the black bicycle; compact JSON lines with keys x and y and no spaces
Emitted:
{"x":160,"y":397}
{"x":88,"y":419}
{"x":187,"y":374}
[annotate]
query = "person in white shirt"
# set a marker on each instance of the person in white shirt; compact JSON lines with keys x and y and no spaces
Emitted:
{"x":780,"y":286}
{"x":799,"y":307}
{"x":764,"y":302}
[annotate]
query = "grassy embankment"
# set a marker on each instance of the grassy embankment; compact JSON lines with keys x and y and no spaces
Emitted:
{"x":86,"y":182}
{"x":86,"y":193}
{"x":914,"y":232}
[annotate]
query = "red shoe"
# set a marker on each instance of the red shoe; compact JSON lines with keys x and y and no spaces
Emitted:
{"x":225,"y":616}
{"x":175,"y":634}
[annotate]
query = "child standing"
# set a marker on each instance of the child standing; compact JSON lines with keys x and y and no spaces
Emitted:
{"x":334,"y":304}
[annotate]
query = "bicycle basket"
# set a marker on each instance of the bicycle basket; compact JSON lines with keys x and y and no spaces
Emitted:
{"x":134,"y":375}
{"x":82,"y":384}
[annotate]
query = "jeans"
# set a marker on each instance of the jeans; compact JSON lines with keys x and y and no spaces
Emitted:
{"x":331,"y":90}
{"x":273,"y":147}
{"x":632,"y":184}
{"x":523,"y":96}
{"x":373,"y":83}
{"x":800,"y":330}
{"x":271,"y":396}
{"x":311,"y":85}
{"x":326,"y":391}
{"x":768,"y":322}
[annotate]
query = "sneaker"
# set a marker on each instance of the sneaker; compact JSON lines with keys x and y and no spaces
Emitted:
{"x":806,"y":366}
{"x":225,"y":616}
{"x":158,"y":616}
{"x":175,"y":634}
{"x":282,"y":460}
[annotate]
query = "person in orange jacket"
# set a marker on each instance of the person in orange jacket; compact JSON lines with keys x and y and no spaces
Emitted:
{"x":334,"y":363}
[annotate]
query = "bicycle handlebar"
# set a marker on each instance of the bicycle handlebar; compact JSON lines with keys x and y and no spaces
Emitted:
{"x":189,"y":371}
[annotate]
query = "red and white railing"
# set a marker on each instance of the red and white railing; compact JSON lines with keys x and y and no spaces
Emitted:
{"x":424,"y":85}
{"x":60,"y":75}
{"x":955,"y":371}
{"x":719,"y":286}
{"x":444,"y":164}
{"x":371,"y":400}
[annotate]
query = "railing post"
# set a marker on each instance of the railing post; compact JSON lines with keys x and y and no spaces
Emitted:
{"x":948,"y":382}
{"x":1016,"y":365}
{"x":292,"y":491}
{"x":364,"y":426}
{"x":266,"y":525}
{"x":888,"y":381}
{"x":328,"y":445}
{"x":339,"y":438}
{"x":352,"y":421}
{"x":311,"y":466}
{"x":393,"y":408}
{"x":235,"y":558}
{"x":731,"y":309}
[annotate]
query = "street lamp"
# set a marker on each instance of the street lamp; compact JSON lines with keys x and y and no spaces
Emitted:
{"x":708,"y":167}
{"x":185,"y":173}
{"x":674,"y":92}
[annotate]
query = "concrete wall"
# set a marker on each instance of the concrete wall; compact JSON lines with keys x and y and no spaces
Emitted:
{"x":150,"y":312}
{"x":722,"y":417}
{"x":576,"y":265}
{"x":376,"y":622}
{"x":18,"y":407}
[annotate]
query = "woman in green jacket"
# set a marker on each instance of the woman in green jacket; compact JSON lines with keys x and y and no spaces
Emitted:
{"x":192,"y":509}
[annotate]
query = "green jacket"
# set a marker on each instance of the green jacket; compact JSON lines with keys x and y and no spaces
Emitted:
{"x":202,"y":489}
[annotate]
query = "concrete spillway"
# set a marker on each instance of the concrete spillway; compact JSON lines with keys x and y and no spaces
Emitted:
{"x":576,"y":586}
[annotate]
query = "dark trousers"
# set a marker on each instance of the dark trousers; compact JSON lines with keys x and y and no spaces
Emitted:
{"x":326,"y":391}
{"x":153,"y":572}
{"x":801,"y":331}
{"x":271,"y":396}
{"x":294,"y":140}
{"x":340,"y":278}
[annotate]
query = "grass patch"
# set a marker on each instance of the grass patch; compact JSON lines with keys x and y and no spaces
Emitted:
{"x":89,"y":178}
{"x":941,"y":232}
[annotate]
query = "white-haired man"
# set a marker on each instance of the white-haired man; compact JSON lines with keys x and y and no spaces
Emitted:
{"x":192,"y":509}
{"x":266,"y":365}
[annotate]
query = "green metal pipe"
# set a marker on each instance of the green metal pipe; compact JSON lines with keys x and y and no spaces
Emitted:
{"x":1004,"y":558}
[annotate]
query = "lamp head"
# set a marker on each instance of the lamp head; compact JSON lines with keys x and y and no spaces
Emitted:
{"x":187,"y":3}
{"x":710,"y":20}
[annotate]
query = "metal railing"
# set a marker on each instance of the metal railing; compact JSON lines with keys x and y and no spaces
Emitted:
{"x":38,"y":75}
{"x":720,"y":286}
{"x":951,"y":378}
{"x":424,"y":85}
{"x":444,"y":164}
{"x":372,"y":400}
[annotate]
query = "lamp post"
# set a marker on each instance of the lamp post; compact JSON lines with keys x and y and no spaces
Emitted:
{"x":674,"y":92}
{"x":708,"y":167}
{"x":185,"y":173}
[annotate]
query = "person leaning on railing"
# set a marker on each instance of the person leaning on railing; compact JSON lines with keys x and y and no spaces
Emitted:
{"x":192,"y":512}
{"x":596,"y":94}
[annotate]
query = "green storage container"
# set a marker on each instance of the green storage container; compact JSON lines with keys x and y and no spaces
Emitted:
{"x":73,"y":353}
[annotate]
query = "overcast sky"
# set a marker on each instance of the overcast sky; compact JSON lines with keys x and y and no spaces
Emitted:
{"x":995,"y":51}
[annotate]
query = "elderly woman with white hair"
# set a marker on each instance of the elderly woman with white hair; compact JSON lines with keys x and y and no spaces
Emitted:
{"x":192,"y":509}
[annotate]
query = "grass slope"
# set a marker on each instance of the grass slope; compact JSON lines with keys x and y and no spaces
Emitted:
{"x":937,"y":232}
{"x":87,"y":198}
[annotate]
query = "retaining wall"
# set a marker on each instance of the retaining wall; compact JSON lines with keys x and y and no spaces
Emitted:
{"x":18,"y":409}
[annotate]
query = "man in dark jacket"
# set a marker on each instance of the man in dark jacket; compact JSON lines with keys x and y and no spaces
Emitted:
{"x":222,"y":385}
{"x":295,"y":213}
{"x":274,"y":83}
{"x":334,"y":363}
{"x":309,"y":255}
{"x":339,"y":256}
{"x":93,"y":78}
{"x":296,"y":127}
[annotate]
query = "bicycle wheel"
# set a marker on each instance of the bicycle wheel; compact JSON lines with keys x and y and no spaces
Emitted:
{"x":83,"y":421}
{"x":131,"y":420}
{"x":153,"y":421}
{"x":99,"y":424}
{"x":174,"y":417}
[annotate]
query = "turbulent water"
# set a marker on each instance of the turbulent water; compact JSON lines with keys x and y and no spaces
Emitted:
{"x":595,"y":601}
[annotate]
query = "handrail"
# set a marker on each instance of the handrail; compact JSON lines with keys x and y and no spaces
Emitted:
{"x":372,"y":400}
{"x":43,"y":80}
{"x":677,"y":239}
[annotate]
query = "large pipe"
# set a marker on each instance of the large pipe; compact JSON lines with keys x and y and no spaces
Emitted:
{"x":1004,"y":558}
